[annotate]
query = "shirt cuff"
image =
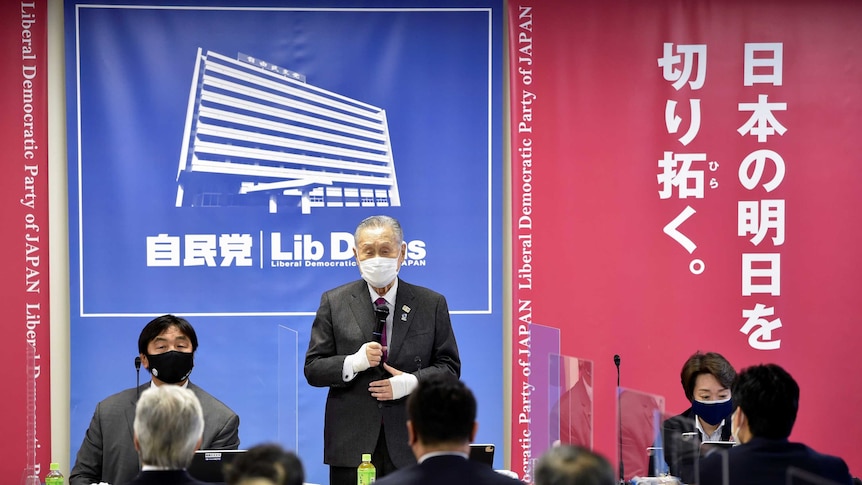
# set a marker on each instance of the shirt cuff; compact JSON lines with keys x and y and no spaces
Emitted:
{"x":403,"y":384}
{"x":347,"y":372}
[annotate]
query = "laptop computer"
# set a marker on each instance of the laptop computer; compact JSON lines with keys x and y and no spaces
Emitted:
{"x":483,"y":453}
{"x":208,"y":465}
{"x":707,"y":447}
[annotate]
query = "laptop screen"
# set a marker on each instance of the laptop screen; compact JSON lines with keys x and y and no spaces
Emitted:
{"x":483,"y":453}
{"x":207,"y":465}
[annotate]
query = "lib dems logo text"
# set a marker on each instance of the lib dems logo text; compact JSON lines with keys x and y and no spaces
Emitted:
{"x":274,"y":250}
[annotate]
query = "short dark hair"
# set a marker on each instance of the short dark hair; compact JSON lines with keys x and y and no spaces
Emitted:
{"x":267,"y":460}
{"x":769,"y":397}
{"x":442,"y":409}
{"x":708,"y":363}
{"x":570,"y":465}
{"x":162,"y":323}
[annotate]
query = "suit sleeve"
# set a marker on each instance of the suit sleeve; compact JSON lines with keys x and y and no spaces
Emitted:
{"x":670,"y":441}
{"x":680,"y":453}
{"x":221,"y":423}
{"x":444,"y":355}
{"x":323,"y":367}
{"x":227,"y":438}
{"x":88,"y":463}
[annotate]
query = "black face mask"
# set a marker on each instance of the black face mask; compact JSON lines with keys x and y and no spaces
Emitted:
{"x":713,"y":411}
{"x":171,"y":367}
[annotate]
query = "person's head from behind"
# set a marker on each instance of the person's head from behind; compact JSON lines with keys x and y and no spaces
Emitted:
{"x":166,"y":347}
{"x":573,"y":465}
{"x":380,"y":249}
{"x":169,"y":426}
{"x":766,"y":400}
{"x":706,"y":380}
{"x":441,"y":415}
{"x":265,"y":464}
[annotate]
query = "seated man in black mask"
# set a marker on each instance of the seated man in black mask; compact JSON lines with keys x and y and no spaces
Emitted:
{"x":166,"y":346}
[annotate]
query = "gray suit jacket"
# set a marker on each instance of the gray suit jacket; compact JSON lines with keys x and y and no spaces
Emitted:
{"x":108,"y":454}
{"x":423,"y":344}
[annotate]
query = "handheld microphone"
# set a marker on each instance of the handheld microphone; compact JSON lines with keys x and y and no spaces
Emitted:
{"x":620,"y":420}
{"x":382,"y":311}
{"x":137,"y":377}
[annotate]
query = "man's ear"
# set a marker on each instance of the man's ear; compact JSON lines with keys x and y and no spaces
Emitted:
{"x":742,"y":419}
{"x":473,"y":433}
{"x":137,"y":445}
{"x":199,"y":443}
{"x":411,"y":437}
{"x":145,"y":361}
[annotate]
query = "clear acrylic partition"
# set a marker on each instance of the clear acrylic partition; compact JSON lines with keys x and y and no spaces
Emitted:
{"x":724,"y":471}
{"x":544,"y":343}
{"x":571,"y":400}
{"x":640,"y":415}
{"x":289,"y":372}
{"x":684,"y":449}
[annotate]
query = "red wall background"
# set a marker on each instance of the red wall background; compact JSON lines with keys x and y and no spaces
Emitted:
{"x":590,"y":257}
{"x":24,"y":363}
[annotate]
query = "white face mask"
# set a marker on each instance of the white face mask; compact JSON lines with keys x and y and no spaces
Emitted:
{"x":378,"y":271}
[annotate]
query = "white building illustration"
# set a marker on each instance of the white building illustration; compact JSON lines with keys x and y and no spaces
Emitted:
{"x":257,"y":134}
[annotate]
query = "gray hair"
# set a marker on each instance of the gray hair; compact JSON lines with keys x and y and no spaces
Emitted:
{"x":169,"y":422}
{"x":380,"y":221}
{"x":571,"y":465}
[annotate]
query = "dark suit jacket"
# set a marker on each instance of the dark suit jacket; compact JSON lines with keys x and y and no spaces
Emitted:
{"x":680,"y":453}
{"x":422,"y":338}
{"x":164,"y":477}
{"x":764,"y":461}
{"x":449,"y":470}
{"x":108,"y":454}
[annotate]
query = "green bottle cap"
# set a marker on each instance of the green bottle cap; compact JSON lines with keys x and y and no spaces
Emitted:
{"x":366,"y":457}
{"x":54,"y":466}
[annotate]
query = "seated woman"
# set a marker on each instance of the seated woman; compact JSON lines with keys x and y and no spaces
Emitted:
{"x":706,"y":380}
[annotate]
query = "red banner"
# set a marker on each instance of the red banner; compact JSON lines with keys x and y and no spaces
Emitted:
{"x":25,"y":366}
{"x":684,"y":177}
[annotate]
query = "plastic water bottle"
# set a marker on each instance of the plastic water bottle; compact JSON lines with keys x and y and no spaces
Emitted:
{"x":54,"y":477}
{"x":365,"y":474}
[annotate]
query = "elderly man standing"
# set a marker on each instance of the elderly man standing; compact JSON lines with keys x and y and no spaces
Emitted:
{"x":369,"y":377}
{"x":169,"y":427}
